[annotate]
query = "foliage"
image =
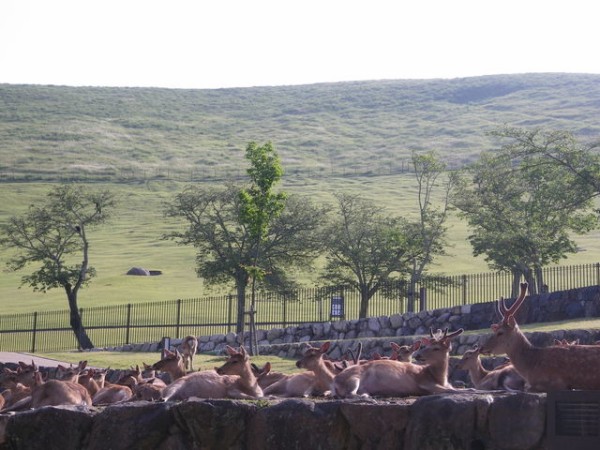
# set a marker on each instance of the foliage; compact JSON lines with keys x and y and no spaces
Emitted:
{"x":522,"y":210}
{"x":366,"y":248}
{"x":50,"y":234}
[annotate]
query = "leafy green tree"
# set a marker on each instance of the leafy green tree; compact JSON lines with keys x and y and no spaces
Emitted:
{"x":522,"y":210}
{"x":54,"y":235}
{"x":366,"y":248}
{"x":226,"y":247}
{"x":433,"y":182}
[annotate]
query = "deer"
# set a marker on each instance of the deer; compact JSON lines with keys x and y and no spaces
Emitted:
{"x":543,"y":368}
{"x":403,"y":352}
{"x":387,"y":377}
{"x":188,"y":348}
{"x":171,"y":363}
{"x":316,"y":380}
{"x":70,"y":373}
{"x":53,"y":393}
{"x":504,"y":377}
{"x":265,"y":376}
{"x":234,"y":379}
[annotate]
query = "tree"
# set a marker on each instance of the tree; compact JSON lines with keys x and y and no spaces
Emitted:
{"x":558,"y":148}
{"x":432,"y":177}
{"x":522,"y":210}
{"x":225,"y":246}
{"x":259,"y":207}
{"x":54,"y":235}
{"x":366,"y":248}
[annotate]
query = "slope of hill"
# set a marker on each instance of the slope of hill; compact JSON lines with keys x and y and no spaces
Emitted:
{"x":333,"y":128}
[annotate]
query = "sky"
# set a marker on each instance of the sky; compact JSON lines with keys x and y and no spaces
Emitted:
{"x":208,"y":44}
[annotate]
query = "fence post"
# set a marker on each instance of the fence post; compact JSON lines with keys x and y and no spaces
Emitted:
{"x":34,"y":332}
{"x":229,"y":311}
{"x":423,"y":298}
{"x":284,"y":310}
{"x":128,"y":323}
{"x":464,"y":283}
{"x":178,"y":318}
{"x":598,"y":274}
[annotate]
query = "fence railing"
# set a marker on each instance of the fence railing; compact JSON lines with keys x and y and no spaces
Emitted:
{"x":111,"y":326}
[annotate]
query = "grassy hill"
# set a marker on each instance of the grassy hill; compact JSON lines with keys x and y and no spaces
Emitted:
{"x":319,"y":129}
{"x":145,"y":144}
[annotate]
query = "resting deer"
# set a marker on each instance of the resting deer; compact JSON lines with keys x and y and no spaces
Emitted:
{"x":188,"y":348}
{"x":53,"y":393}
{"x":315,"y":381}
{"x":403,"y":352}
{"x":265,"y":376}
{"x":397,"y":378}
{"x":232,"y":380}
{"x":172,"y":363}
{"x":544,"y":368}
{"x":502,"y":378}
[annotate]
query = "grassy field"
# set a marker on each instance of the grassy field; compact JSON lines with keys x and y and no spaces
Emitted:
{"x":133,"y":238}
{"x":332,"y":137}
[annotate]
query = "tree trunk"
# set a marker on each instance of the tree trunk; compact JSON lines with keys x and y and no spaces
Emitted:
{"x":364,"y":302}
{"x":240,"y":287}
{"x":83,"y":340}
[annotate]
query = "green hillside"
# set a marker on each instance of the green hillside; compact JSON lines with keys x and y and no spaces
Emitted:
{"x":339,"y":128}
{"x":146,"y":144}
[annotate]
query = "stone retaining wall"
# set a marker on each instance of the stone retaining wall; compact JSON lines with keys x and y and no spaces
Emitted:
{"x":448,"y":421}
{"x":376,"y":332}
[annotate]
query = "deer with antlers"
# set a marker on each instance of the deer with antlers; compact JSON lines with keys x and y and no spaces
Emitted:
{"x":544,"y":368}
{"x":390,"y":378}
{"x":234,"y":379}
{"x":504,"y":377}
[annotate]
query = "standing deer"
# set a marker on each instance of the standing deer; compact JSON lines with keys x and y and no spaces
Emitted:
{"x":387,"y":377}
{"x":232,"y":380}
{"x":188,"y":348}
{"x":502,"y":378}
{"x":544,"y":368}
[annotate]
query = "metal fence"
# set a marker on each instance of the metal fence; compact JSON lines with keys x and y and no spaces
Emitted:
{"x":148,"y":322}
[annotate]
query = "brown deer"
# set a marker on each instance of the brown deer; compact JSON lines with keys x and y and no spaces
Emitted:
{"x":232,"y":380}
{"x":544,"y":368}
{"x":53,"y":393}
{"x":403,"y":352}
{"x":171,"y":363}
{"x":315,"y":381}
{"x":265,"y":376}
{"x":504,"y":377}
{"x":188,"y":349}
{"x":397,"y":378}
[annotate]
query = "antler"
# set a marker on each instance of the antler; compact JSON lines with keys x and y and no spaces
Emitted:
{"x":505,"y":312}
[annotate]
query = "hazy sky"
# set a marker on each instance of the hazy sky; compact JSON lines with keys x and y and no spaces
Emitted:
{"x":229,"y":43}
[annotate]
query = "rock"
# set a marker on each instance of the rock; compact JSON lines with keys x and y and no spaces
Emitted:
{"x":139,"y":271}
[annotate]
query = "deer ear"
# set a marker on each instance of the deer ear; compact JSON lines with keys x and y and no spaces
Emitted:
{"x":495,"y":327}
{"x":511,"y":322}
{"x":230,"y":350}
{"x":325,"y":347}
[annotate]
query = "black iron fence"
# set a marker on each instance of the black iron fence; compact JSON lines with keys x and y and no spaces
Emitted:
{"x":148,"y":322}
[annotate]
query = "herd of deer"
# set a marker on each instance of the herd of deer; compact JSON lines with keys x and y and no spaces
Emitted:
{"x":565,"y":365}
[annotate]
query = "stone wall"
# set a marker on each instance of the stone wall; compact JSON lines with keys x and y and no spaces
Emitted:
{"x":448,"y":421}
{"x":376,"y":332}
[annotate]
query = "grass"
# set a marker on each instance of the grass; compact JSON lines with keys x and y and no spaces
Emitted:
{"x":133,"y":238}
{"x":123,"y":360}
{"x":332,"y":137}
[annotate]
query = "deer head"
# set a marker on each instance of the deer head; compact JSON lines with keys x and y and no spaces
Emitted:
{"x":435,"y":349}
{"x":311,"y":356}
{"x":236,"y":362}
{"x":507,"y":327}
